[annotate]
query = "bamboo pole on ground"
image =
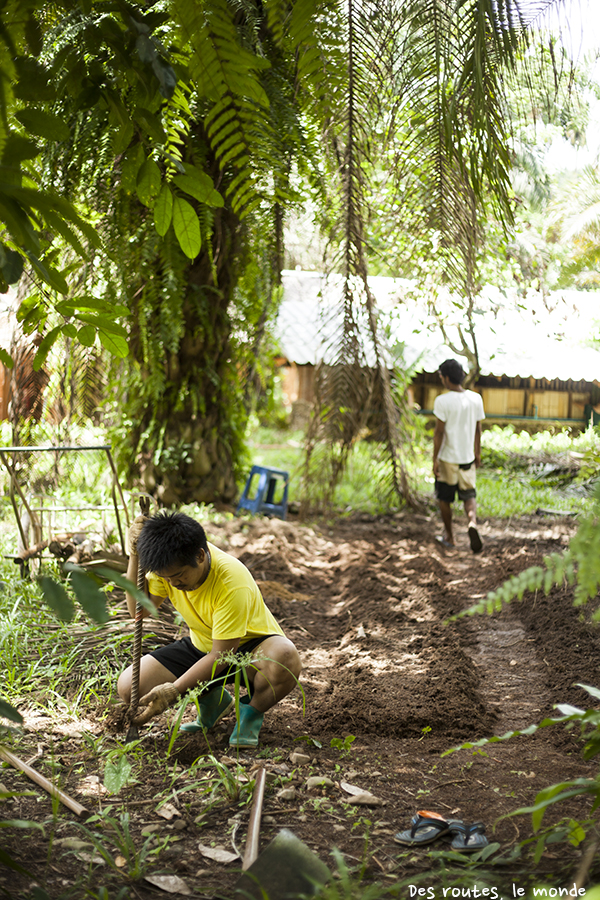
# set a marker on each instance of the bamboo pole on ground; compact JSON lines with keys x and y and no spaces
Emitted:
{"x":73,"y":805}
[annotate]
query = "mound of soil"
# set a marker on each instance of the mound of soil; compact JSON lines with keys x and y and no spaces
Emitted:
{"x":390,"y":681}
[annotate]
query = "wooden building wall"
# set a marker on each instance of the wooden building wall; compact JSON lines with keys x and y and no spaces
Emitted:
{"x":504,"y":398}
{"x":508,"y":398}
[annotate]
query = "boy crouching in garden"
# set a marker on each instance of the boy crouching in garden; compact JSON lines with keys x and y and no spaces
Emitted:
{"x":220,"y":602}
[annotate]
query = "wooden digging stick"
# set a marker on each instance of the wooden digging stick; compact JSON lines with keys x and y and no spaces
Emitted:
{"x":73,"y":805}
{"x":132,"y":734}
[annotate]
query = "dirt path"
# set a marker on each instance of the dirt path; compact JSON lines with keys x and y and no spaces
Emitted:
{"x":366,"y":601}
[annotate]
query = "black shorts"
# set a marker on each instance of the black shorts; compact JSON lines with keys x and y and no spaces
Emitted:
{"x":448,"y":492}
{"x":181,"y":655}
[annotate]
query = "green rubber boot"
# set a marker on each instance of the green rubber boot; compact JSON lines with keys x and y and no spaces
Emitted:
{"x":213,"y":706}
{"x":245,"y":733}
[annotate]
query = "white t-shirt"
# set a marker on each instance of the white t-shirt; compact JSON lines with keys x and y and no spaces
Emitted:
{"x":460,"y":411}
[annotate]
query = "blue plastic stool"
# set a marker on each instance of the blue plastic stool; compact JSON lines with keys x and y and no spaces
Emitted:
{"x":264,"y":499}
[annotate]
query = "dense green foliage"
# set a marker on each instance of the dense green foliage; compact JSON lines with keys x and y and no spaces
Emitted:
{"x":184,"y":132}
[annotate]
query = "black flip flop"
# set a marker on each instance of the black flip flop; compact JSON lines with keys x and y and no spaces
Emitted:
{"x":425,"y":829}
{"x":475,"y":540}
{"x":468,"y":838}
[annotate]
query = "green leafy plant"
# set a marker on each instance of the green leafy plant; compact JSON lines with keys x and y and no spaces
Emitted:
{"x":117,"y":774}
{"x":344,"y":745}
{"x":313,"y":742}
{"x":116,"y":833}
{"x":425,"y":731}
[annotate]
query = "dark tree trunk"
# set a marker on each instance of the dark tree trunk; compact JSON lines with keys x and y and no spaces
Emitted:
{"x":192,"y":442}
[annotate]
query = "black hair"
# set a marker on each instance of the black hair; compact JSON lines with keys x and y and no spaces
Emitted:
{"x":452,"y":370}
{"x":170,"y":539}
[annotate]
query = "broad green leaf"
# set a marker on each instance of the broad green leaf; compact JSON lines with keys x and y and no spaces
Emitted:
{"x":133,"y":160}
{"x":122,"y":138}
{"x":187,"y":227}
{"x":150,"y":123}
{"x":85,"y":302}
{"x":91,"y":598}
{"x":57,"y":598}
{"x":214,"y":198}
{"x":592,"y":691}
{"x":104,"y":322}
{"x":127,"y":585}
{"x":6,"y":359}
{"x":114,"y":343}
{"x":43,"y":124}
{"x":69,"y":330}
{"x":87,"y":335}
{"x":11,"y":264}
{"x":163,"y":210}
{"x":576,"y":834}
{"x":14,"y":217}
{"x":9,"y":712}
{"x":50,"y":275}
{"x":34,"y":83}
{"x":166,"y":75}
{"x":33,"y":33}
{"x":567,"y":710}
{"x":118,"y":115}
{"x":148,"y":182}
{"x":17,"y":148}
{"x":116,"y":775}
{"x":31,"y":309}
{"x":202,"y":192}
{"x":46,"y":345}
{"x":145,"y":48}
{"x":58,"y":224}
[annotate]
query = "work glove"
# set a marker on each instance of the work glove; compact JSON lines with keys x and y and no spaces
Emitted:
{"x":156,"y":701}
{"x":135,"y":530}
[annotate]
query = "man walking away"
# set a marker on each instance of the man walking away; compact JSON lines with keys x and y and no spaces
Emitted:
{"x":457,"y":450}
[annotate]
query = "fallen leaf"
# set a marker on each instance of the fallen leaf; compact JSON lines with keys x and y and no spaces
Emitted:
{"x":73,"y":843}
{"x":168,"y":811}
{"x":120,"y":861}
{"x":351,"y":788}
{"x":228,"y":761}
{"x":217,"y":853}
{"x":318,"y":781}
{"x":90,"y":858}
{"x":172,"y":884}
{"x":365,"y":799}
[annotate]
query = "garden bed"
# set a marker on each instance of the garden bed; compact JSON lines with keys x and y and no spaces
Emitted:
{"x":389,"y":685}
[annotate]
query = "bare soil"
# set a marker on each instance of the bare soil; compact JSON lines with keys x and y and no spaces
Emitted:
{"x":389,"y":681}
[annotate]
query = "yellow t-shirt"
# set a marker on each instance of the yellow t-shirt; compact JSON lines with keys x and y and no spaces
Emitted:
{"x":228,"y":605}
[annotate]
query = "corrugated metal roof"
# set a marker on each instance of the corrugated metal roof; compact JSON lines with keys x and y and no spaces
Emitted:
{"x":540,"y":338}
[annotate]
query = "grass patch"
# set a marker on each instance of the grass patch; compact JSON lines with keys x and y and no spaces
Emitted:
{"x":500,"y":496}
{"x":510,"y":483}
